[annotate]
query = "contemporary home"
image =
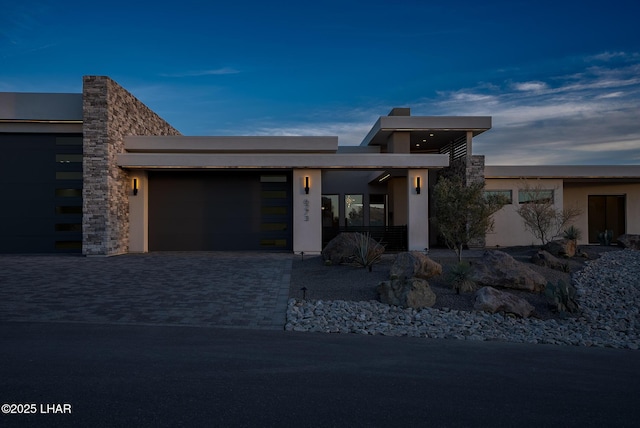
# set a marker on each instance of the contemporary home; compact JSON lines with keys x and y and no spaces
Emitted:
{"x":102,"y":174}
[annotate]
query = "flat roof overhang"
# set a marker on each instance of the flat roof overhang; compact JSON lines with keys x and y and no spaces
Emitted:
{"x":582,"y":172}
{"x":231,"y":144}
{"x":434,"y":131}
{"x":281,"y":160}
{"x":44,"y":107}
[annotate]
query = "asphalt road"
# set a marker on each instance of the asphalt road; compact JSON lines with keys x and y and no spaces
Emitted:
{"x":115,"y":375}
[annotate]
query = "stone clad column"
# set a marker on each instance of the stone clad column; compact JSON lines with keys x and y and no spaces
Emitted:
{"x":109,"y":114}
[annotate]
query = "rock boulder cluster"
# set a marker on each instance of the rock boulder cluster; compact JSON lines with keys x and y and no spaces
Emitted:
{"x":407,"y":285}
{"x":608,"y":292}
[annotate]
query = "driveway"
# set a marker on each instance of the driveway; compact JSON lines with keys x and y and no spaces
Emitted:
{"x":216,"y":289}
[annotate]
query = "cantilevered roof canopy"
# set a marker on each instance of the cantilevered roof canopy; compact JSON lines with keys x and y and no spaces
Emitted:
{"x":427,"y":133}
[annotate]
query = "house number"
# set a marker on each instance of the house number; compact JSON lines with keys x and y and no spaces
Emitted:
{"x":306,"y":209}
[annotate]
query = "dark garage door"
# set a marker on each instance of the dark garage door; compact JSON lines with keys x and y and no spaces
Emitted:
{"x":41,"y":188}
{"x":211,"y":211}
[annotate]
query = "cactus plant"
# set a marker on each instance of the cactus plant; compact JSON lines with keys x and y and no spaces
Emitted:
{"x":605,"y":237}
{"x":561,"y":296}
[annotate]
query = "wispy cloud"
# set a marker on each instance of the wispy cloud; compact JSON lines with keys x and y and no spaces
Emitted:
{"x":197,"y":73}
{"x":530,"y":86}
{"x":587,"y":117}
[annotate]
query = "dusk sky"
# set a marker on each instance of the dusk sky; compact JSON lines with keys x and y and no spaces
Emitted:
{"x":561,"y":79}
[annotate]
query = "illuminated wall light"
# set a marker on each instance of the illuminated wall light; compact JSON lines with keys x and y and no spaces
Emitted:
{"x":306,"y":185}
{"x":135,"y":186}
{"x":384,"y":178}
{"x":418,"y":185}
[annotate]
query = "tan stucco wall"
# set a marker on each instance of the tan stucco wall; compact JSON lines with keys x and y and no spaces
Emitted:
{"x":509,"y":228}
{"x":576,"y":194}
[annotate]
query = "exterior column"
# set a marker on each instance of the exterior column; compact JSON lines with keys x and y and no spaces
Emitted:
{"x":139,"y":212}
{"x":469,"y":143}
{"x":307,"y":211}
{"x":418,"y":209}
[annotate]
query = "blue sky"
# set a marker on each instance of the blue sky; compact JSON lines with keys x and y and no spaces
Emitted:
{"x":561,"y":79}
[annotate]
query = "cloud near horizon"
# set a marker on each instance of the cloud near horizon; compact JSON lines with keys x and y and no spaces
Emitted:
{"x":198,"y":73}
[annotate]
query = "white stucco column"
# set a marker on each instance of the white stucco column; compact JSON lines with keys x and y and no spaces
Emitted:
{"x":307,"y":211}
{"x":139,"y":213}
{"x":418,"y":209}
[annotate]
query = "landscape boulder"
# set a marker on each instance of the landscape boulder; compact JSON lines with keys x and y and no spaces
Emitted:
{"x":414,"y":264}
{"x":629,"y":241}
{"x":544,"y":258}
{"x":561,"y":247}
{"x":499,"y":269}
{"x":490,"y":300}
{"x":341,"y":249}
{"x":407,"y":293}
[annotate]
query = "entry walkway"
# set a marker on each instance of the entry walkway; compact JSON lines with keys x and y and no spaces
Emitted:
{"x":217,"y":289}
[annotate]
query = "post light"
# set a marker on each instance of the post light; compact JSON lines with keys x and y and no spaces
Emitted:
{"x":306,"y":185}
{"x":135,"y":186}
{"x":418,"y":185}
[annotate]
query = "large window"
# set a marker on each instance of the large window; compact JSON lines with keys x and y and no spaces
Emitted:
{"x":505,"y":194}
{"x":330,"y":211}
{"x":353,"y":210}
{"x":377,"y":210}
{"x":535,"y":196}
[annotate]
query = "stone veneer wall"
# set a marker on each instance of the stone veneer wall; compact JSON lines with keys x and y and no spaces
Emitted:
{"x":471,"y":170}
{"x":109,"y":114}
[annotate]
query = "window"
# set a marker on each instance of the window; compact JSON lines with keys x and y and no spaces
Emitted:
{"x":377,"y":210}
{"x":353,"y":210}
{"x":535,"y":196}
{"x":330,"y":211}
{"x":69,"y":193}
{"x":68,"y":175}
{"x":69,"y":158}
{"x":506,"y":194}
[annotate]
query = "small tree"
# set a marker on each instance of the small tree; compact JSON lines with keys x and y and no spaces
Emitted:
{"x":463,"y":213}
{"x":540,"y":215}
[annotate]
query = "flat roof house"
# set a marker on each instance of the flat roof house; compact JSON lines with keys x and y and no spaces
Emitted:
{"x":106,"y":175}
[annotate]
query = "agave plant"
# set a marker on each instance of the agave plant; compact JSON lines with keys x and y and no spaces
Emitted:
{"x":367,"y":251}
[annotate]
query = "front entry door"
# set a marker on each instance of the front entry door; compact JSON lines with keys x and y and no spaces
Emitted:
{"x":606,"y":212}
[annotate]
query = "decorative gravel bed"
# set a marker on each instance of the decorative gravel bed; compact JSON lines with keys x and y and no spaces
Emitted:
{"x":608,"y":293}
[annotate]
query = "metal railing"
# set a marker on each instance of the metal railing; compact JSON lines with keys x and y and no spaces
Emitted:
{"x":394,"y":238}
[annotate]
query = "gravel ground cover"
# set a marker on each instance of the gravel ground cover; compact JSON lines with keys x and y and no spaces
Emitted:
{"x":343,"y":299}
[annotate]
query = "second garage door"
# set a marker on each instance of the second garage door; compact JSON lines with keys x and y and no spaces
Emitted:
{"x":212,"y":211}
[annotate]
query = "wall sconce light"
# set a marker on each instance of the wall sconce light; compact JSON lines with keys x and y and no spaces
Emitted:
{"x":418,"y":185}
{"x":135,"y":186}
{"x":306,"y":185}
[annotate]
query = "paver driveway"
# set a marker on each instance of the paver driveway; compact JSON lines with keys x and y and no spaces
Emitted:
{"x":222,"y":289}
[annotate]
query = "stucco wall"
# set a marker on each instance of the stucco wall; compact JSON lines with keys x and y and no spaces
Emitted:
{"x":307,"y":214}
{"x":509,"y":228}
{"x":109,"y":114}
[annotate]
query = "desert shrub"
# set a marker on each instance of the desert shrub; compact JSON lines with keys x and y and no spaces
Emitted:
{"x":367,"y":251}
{"x":459,"y":277}
{"x":572,"y":233}
{"x":561,"y":296}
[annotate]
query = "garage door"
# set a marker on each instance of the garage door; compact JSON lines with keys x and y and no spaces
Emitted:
{"x":41,"y":188}
{"x":212,"y":211}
